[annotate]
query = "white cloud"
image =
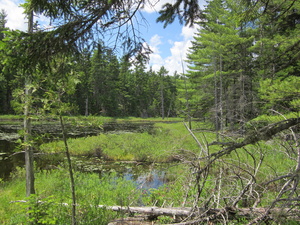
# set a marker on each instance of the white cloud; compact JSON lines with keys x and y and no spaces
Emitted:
{"x":179,"y":50}
{"x":156,"y":61}
{"x":156,"y":5}
{"x":188,"y":32}
{"x":15,"y":17}
{"x":155,"y":41}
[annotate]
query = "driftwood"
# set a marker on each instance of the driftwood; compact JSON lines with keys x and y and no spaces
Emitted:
{"x":131,"y":221}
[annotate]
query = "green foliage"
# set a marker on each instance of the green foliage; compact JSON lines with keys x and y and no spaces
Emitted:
{"x":172,"y":194}
{"x":171,"y":11}
{"x":240,"y":58}
{"x":96,"y":83}
{"x":281,"y":92}
{"x":40,"y":211}
{"x":236,"y":170}
{"x":274,"y":117}
{"x":219,"y":65}
{"x":165,"y":219}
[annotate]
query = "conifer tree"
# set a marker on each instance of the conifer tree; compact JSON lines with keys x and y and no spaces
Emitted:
{"x":5,"y":76}
{"x":219,"y":63}
{"x":277,"y":55}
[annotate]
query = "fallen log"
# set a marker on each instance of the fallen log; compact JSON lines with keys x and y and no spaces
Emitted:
{"x":208,"y":214}
{"x":153,"y":211}
{"x":201,"y":214}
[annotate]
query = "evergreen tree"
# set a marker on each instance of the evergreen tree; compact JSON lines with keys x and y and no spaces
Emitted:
{"x":162,"y":73}
{"x":219,"y":64}
{"x":83,"y":94}
{"x":105,"y":75}
{"x":277,"y":55}
{"x":141,"y":90}
{"x":126,"y":87}
{"x":6,"y":75}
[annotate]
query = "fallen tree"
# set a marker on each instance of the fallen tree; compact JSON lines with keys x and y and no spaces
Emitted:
{"x":250,"y":190}
{"x":195,"y":216}
{"x":190,"y":215}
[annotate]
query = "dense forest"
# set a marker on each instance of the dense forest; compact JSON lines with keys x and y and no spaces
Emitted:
{"x":242,"y":67}
{"x":102,"y":85}
{"x":239,"y":68}
{"x":244,"y":62}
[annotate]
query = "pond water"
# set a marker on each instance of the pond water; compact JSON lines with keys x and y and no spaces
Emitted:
{"x":9,"y":160}
{"x":146,"y":176}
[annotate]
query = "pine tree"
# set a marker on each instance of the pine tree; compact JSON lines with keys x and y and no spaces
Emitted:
{"x":104,"y":73}
{"x":277,"y":55}
{"x":219,"y":63}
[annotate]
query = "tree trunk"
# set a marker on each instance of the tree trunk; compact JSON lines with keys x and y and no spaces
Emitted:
{"x":216,"y":101}
{"x":204,"y":215}
{"x":162,"y":98}
{"x":87,"y":106}
{"x":27,"y":126}
{"x":221,"y":108}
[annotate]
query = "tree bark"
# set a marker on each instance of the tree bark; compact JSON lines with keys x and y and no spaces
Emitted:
{"x":27,"y":126}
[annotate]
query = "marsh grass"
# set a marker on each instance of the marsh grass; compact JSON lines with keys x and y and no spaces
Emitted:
{"x":169,"y":140}
{"x":53,"y":189}
{"x":158,"y":146}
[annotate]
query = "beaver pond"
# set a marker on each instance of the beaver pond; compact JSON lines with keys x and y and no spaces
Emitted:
{"x":145,"y":175}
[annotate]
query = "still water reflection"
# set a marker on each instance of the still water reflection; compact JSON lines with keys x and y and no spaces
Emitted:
{"x":146,"y":176}
{"x":8,"y":160}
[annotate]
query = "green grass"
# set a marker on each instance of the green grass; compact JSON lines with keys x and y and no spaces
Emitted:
{"x":54,"y":188}
{"x":158,"y":146}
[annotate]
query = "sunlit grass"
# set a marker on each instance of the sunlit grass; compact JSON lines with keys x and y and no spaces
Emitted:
{"x":91,"y":191}
{"x":157,"y":146}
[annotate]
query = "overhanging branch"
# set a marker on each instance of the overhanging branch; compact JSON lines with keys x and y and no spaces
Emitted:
{"x":253,"y":137}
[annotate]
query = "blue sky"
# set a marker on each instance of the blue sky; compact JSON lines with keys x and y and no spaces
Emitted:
{"x":169,"y":45}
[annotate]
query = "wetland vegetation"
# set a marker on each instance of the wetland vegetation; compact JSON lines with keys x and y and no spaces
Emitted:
{"x":80,"y":128}
{"x":153,"y":166}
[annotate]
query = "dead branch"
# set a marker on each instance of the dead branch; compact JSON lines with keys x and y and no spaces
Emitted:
{"x":253,"y":137}
{"x":196,"y":139}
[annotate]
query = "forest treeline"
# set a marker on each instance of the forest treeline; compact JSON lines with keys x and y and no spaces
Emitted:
{"x":244,"y":62}
{"x":103,"y":85}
